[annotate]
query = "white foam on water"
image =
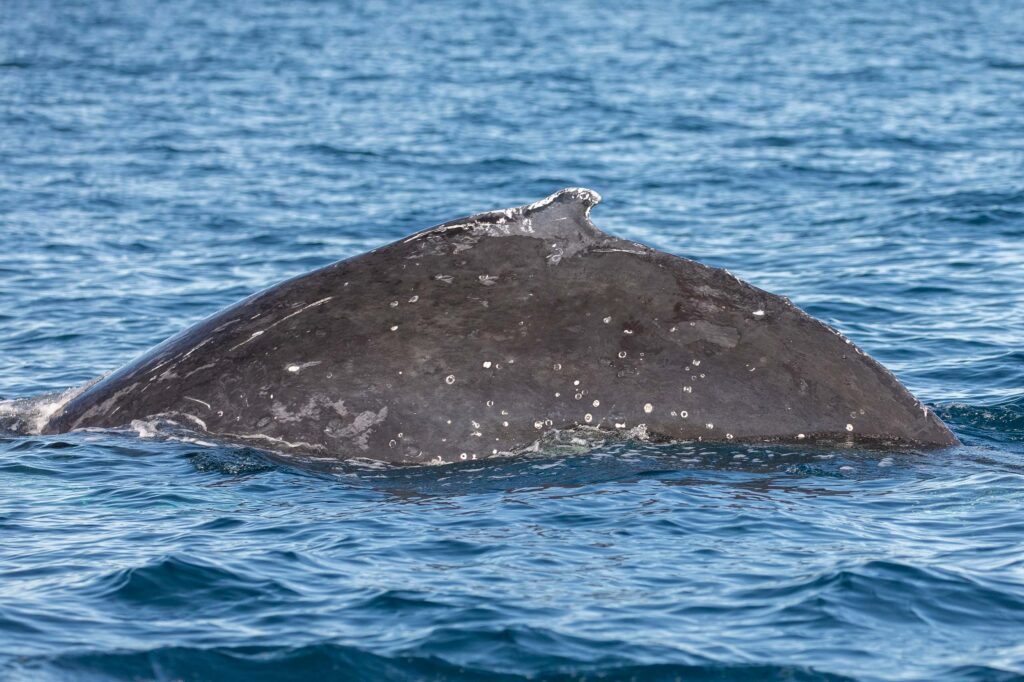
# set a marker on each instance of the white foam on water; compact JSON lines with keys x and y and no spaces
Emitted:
{"x":29,"y":416}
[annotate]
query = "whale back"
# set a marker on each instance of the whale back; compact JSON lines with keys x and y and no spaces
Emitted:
{"x":478,"y":336}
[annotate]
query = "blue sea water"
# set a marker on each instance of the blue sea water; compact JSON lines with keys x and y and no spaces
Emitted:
{"x":160,"y":160}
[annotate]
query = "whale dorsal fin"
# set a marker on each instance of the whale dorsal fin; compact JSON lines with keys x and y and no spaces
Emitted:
{"x":575,"y":200}
{"x":564,"y":215}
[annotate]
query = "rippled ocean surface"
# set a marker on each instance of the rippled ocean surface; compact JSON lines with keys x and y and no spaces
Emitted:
{"x":160,"y":160}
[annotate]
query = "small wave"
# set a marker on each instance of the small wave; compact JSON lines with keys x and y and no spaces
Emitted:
{"x":1002,"y":421}
{"x":233,"y":461}
{"x":176,"y":582}
{"x":335,"y":151}
{"x":897,"y":593}
{"x":701,"y":124}
{"x":336,"y":661}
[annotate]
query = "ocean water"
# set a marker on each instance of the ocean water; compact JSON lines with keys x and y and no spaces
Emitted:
{"x":160,"y":160}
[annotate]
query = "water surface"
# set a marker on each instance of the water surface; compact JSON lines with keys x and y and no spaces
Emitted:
{"x":161,"y":160}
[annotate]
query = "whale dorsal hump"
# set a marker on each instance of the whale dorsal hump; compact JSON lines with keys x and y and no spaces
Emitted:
{"x":562,"y":216}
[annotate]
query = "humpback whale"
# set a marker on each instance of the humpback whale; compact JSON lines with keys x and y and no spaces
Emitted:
{"x":479,"y":336}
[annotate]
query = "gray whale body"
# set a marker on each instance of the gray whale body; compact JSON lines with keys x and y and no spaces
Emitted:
{"x":478,"y":336}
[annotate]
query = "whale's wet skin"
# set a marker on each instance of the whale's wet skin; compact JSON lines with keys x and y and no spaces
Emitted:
{"x":160,"y":163}
{"x":475,"y":338}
